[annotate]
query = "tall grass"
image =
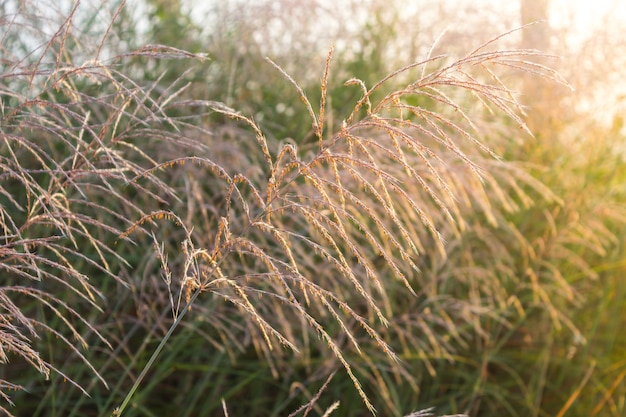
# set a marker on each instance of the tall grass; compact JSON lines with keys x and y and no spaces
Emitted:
{"x":382,"y":254}
{"x":70,"y":123}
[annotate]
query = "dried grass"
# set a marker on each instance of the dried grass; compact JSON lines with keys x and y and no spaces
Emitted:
{"x":354,"y":237}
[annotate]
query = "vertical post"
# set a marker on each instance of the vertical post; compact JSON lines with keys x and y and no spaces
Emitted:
{"x":537,"y":92}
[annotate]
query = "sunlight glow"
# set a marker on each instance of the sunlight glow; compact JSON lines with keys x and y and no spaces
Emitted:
{"x":583,"y":16}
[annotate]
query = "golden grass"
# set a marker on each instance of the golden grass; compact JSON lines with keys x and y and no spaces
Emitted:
{"x":377,"y":234}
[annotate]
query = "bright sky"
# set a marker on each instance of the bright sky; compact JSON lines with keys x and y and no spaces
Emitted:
{"x":582,"y":17}
{"x":583,"y":14}
{"x":589,"y":10}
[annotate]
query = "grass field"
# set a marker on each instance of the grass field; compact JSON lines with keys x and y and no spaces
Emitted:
{"x":192,"y":225}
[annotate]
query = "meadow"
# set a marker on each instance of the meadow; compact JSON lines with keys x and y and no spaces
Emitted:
{"x":227,"y":221}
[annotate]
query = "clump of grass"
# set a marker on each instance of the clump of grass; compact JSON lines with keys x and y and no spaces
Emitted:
{"x":69,"y":153}
{"x":315,"y":245}
{"x":338,"y":205}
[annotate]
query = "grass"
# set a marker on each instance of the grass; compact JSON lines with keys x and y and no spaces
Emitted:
{"x":163,"y":253}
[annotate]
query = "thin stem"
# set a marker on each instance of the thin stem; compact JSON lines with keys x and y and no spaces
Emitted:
{"x":119,"y":410}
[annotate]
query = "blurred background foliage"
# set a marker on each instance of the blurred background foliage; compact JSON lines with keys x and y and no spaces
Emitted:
{"x":523,"y":315}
